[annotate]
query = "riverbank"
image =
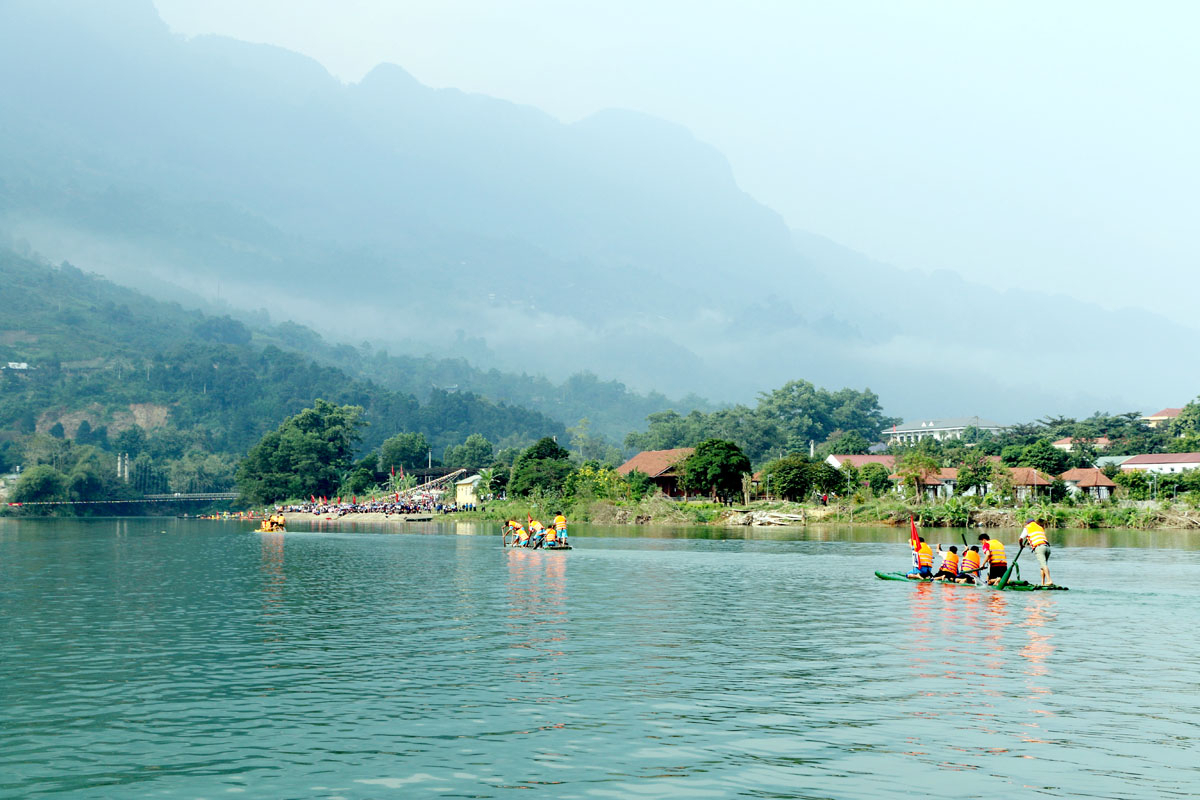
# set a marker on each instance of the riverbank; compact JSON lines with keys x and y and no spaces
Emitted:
{"x":1140,"y":515}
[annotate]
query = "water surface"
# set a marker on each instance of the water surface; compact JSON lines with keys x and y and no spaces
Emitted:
{"x":168,"y":658}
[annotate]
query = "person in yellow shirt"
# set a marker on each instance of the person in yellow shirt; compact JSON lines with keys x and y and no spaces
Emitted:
{"x":993,"y":557}
{"x":1035,"y":536}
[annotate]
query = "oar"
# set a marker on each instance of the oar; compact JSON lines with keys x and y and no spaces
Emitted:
{"x":1004,"y":578}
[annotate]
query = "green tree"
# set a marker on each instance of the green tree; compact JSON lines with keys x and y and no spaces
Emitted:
{"x":1188,"y":422}
{"x":130,"y":441}
{"x":407,"y":450}
{"x":1044,"y":457}
{"x":544,"y":466}
{"x":304,"y":456}
{"x":715,"y":467}
{"x":39,"y":483}
{"x":849,"y":443}
{"x":473,"y":454}
{"x":913,"y":468}
{"x":975,"y":472}
{"x":788,"y":477}
{"x":877,"y":477}
{"x":640,"y":484}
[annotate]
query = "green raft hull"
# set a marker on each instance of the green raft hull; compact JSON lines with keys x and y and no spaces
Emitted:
{"x":1014,"y":586}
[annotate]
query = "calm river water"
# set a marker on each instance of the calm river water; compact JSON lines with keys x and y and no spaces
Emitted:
{"x":169,"y":658}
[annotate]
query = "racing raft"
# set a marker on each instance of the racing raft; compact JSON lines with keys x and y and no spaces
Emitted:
{"x":1016,"y":586}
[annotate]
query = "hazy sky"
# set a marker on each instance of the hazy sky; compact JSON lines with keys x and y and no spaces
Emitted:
{"x":1021,"y":144}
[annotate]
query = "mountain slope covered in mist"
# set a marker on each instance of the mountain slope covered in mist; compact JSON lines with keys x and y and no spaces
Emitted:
{"x":392,"y":212}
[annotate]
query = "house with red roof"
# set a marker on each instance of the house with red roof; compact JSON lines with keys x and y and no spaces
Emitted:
{"x":858,"y":462}
{"x":661,"y":465}
{"x":1091,"y":482}
{"x":1162,"y":462}
{"x":1100,"y":443}
{"x":1163,"y":417}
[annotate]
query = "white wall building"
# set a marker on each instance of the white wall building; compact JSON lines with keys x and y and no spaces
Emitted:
{"x":939,"y":429}
{"x":1162,"y":462}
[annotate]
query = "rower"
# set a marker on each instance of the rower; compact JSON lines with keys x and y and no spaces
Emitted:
{"x":949,"y":569}
{"x":993,"y":557}
{"x":522,"y":539}
{"x":924,"y":558}
{"x":1035,"y":535}
{"x":537,"y":533}
{"x":969,"y":566}
{"x":560,"y":526}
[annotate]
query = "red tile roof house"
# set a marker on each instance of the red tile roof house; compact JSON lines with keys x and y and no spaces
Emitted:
{"x":1029,"y":483}
{"x":1092,"y":482}
{"x":1161,"y":417}
{"x":1101,"y":443}
{"x":1163,"y":462}
{"x":933,"y":484}
{"x":661,"y":466}
{"x":859,"y":461}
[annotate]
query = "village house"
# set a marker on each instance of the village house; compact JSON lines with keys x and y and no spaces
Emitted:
{"x":1101,"y":443}
{"x":938,"y":429}
{"x":661,"y":466}
{"x":1162,"y":462}
{"x":1163,"y":417}
{"x":1091,"y":482}
{"x":465,"y":491}
{"x":858,"y":462}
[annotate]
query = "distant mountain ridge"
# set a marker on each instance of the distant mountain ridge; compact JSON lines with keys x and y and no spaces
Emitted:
{"x":389,"y":211}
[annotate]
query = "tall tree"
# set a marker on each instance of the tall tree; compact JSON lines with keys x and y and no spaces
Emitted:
{"x":716,"y":467}
{"x":306,"y":455}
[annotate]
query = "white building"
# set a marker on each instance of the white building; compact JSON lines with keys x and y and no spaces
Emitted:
{"x":939,"y":429}
{"x":1162,"y":462}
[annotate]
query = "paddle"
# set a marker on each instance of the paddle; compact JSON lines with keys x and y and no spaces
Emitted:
{"x":1008,"y":572}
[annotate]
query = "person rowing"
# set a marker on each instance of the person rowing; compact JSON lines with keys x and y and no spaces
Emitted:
{"x":969,"y":566}
{"x":949,"y":568}
{"x":537,"y":533}
{"x":518,"y":530}
{"x":1035,"y":536}
{"x":993,"y":557}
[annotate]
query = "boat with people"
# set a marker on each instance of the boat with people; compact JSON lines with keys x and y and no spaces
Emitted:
{"x":984,"y":564}
{"x":538,"y":537}
{"x":276,"y":523}
{"x":1013,"y":585}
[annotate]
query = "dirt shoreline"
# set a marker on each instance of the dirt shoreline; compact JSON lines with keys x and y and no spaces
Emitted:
{"x":374,"y":517}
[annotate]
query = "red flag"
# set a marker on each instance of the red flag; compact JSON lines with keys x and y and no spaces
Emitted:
{"x":401,"y":470}
{"x":312,"y":499}
{"x":339,"y":502}
{"x":394,"y":470}
{"x":354,"y":499}
{"x":913,"y":536}
{"x":398,"y":494}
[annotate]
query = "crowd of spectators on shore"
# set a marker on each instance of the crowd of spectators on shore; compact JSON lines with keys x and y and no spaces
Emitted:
{"x":423,"y":505}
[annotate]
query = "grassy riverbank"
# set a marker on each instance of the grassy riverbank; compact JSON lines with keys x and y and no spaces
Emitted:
{"x":1141,"y":515}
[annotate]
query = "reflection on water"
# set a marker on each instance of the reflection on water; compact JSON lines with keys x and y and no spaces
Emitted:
{"x":150,"y":658}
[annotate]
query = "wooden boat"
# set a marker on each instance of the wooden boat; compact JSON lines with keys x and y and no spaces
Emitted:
{"x":510,"y":540}
{"x":1016,"y":586}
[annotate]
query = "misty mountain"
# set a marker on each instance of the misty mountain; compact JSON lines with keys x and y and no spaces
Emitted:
{"x":419,"y":218}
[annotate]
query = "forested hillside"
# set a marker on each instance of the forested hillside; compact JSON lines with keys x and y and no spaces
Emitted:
{"x":102,"y":367}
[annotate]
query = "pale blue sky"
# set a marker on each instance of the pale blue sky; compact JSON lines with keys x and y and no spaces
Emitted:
{"x":1020,"y":144}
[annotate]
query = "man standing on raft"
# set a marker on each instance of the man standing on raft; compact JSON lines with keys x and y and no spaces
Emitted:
{"x":1035,"y":535}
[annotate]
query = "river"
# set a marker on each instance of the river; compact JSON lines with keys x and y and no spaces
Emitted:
{"x":162,"y":658}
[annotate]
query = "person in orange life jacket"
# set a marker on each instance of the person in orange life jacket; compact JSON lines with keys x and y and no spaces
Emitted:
{"x":537,"y":533}
{"x":969,"y":566}
{"x":560,"y":526}
{"x":923,"y":560}
{"x":993,"y":557}
{"x":949,"y":569}
{"x":1035,"y":536}
{"x":519,"y":530}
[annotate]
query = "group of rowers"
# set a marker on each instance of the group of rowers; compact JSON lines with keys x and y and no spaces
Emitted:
{"x":275,"y":522}
{"x":987,"y":555}
{"x":538,"y":534}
